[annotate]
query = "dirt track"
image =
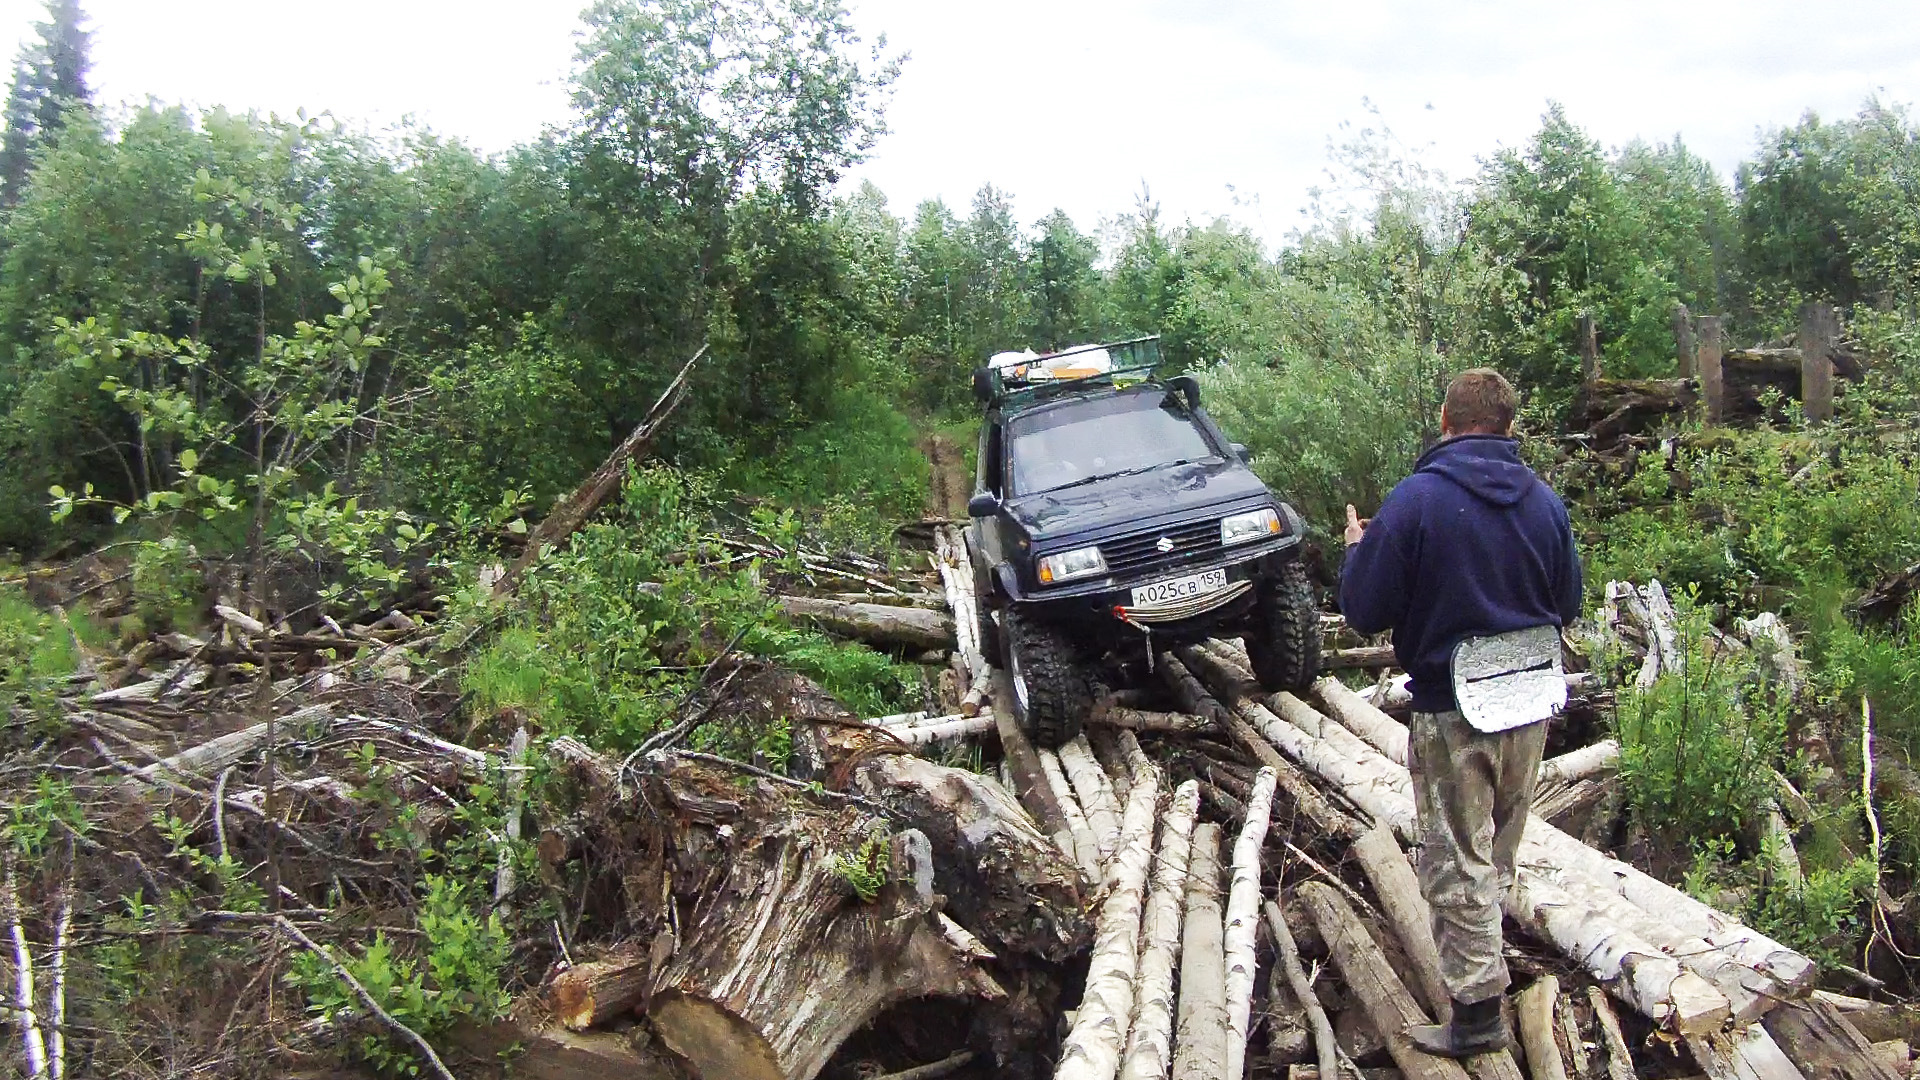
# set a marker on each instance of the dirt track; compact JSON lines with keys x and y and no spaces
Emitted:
{"x":947,"y":491}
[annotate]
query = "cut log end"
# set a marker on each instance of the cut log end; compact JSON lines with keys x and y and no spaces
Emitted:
{"x":711,"y":1040}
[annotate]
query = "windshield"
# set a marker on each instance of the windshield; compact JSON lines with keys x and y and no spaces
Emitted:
{"x":1091,"y":439}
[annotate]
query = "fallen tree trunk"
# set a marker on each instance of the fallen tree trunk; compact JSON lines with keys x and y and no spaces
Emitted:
{"x":1371,"y":979}
{"x":207,"y":759}
{"x":1407,"y":913}
{"x":1030,"y":783}
{"x":1099,"y":1035}
{"x":943,"y":729}
{"x":1243,"y":918}
{"x":1598,"y":759}
{"x":1200,"y":1047}
{"x":875,"y":624}
{"x":570,"y":513}
{"x":1824,"y":1044}
{"x":1150,"y":1043}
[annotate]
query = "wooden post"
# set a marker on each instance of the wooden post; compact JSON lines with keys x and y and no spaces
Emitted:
{"x":1589,"y":350}
{"x":1713,"y":387}
{"x":1683,"y":340}
{"x":1819,"y":332}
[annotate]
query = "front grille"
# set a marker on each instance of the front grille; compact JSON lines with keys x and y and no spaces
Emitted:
{"x":1141,"y":550}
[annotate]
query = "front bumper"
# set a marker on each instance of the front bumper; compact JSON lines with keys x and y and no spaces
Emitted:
{"x":1110,"y":601}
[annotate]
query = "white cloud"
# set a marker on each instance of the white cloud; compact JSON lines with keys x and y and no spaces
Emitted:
{"x":1222,"y":106}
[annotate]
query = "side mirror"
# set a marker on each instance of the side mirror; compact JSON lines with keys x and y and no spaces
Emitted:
{"x":1245,"y":455}
{"x":985,"y":504}
{"x":1187,"y":387}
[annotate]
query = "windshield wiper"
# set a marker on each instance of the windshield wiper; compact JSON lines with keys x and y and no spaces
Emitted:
{"x":1135,"y":471}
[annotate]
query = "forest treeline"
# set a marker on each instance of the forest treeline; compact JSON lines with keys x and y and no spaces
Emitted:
{"x":540,"y":297}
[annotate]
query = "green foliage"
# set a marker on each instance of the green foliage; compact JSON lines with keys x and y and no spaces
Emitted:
{"x":866,"y":869}
{"x":1824,"y":917}
{"x":457,"y":975}
{"x":1697,"y":749}
{"x":166,"y":584}
{"x":36,"y":656}
{"x":622,"y":624}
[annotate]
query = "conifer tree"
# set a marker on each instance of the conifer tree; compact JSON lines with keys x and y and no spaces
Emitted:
{"x":49,"y":77}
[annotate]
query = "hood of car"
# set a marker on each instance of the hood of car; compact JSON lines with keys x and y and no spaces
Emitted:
{"x":1146,"y":500}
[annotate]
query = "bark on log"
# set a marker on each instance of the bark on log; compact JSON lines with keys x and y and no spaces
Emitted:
{"x":1325,"y":1049}
{"x":875,"y":624}
{"x":1099,"y":1036}
{"x":1030,"y":783}
{"x":1141,"y":720}
{"x":1533,"y":1008}
{"x":1105,"y":743}
{"x":1372,"y":980}
{"x":742,"y":994}
{"x":1588,"y":761}
{"x":1150,"y":1043}
{"x":1382,"y":732}
{"x":1084,"y":849}
{"x":946,"y":729}
{"x":1367,"y":656}
{"x":1406,"y":910}
{"x":1095,"y":793}
{"x":1200,"y":1046}
{"x":599,"y":990}
{"x":570,"y":513}
{"x":1619,"y":1057}
{"x":1571,"y":1044}
{"x":1824,"y":1044}
{"x":1243,"y":918}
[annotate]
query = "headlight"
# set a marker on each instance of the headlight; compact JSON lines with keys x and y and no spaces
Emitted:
{"x":1240,"y":528}
{"x":1067,"y":565}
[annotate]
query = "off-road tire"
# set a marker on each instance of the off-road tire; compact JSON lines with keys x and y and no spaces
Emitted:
{"x":1283,"y":640}
{"x":1051,"y":696}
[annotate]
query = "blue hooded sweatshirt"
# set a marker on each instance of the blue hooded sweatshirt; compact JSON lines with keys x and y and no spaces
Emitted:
{"x":1472,"y":543}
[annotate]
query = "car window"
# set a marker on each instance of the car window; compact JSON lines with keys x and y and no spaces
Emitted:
{"x":1077,"y":442}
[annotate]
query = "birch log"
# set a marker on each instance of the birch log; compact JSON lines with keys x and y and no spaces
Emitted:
{"x":946,"y":729}
{"x":1619,"y":1057}
{"x":1382,"y":732}
{"x":1243,"y":918}
{"x":1150,"y":1043}
{"x":1096,"y":795}
{"x":1099,"y":1035}
{"x":1393,"y":882}
{"x":1588,"y":761}
{"x":1371,"y":978}
{"x":1200,"y":1046}
{"x":1085,"y":851}
{"x":876,"y":624}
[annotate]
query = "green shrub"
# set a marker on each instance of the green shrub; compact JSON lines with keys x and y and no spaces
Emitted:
{"x":1697,"y":749}
{"x":166,"y":585}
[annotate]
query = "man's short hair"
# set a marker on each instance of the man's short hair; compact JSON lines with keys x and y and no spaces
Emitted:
{"x":1481,"y":401}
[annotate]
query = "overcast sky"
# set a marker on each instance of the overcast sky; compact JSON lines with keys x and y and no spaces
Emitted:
{"x":1218,"y":107}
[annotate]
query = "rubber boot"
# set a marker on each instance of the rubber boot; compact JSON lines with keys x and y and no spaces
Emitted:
{"x":1477,"y":1028}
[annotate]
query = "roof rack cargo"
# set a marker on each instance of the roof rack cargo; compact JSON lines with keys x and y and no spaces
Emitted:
{"x":1025,"y":376}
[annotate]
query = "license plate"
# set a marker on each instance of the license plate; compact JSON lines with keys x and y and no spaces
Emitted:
{"x":1180,"y":588}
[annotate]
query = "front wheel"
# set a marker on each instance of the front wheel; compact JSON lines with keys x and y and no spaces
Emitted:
{"x":1284,"y":640}
{"x":1051,"y":696}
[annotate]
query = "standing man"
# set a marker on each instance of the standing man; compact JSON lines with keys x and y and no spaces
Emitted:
{"x":1471,"y":563}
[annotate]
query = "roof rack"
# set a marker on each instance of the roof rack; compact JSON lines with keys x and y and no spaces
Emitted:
{"x":1028,"y":379}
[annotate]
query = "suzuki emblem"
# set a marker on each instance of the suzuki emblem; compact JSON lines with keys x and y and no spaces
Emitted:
{"x":1165,"y":544}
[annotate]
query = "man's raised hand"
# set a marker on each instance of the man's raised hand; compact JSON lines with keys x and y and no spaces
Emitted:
{"x":1356,"y":526}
